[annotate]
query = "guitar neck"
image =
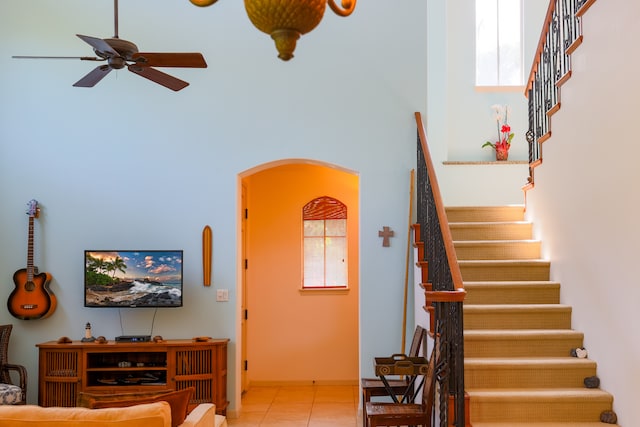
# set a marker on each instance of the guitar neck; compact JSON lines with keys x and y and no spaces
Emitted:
{"x":30,"y":268}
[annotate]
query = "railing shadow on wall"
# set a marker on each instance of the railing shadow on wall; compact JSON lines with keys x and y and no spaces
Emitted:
{"x":551,"y":68}
{"x":444,"y":291}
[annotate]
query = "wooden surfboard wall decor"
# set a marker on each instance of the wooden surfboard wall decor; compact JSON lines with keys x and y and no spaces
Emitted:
{"x":207,"y":237}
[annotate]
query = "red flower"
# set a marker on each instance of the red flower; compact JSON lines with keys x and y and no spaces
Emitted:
{"x":504,"y":130}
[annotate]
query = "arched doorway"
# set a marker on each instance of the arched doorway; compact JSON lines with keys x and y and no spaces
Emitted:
{"x":291,"y":335}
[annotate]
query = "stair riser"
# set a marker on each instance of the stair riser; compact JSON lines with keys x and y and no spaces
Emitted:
{"x":488,"y":294}
{"x":489,"y":250}
{"x":506,"y":410}
{"x":526,"y":377}
{"x":542,"y":347}
{"x":490,"y":272}
{"x":484,"y":213}
{"x":499,"y":231}
{"x":518,"y":320}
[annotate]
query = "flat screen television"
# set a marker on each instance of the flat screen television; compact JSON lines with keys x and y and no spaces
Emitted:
{"x":148,"y":278}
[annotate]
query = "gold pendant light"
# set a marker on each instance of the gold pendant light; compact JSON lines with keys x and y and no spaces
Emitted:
{"x":286,"y":20}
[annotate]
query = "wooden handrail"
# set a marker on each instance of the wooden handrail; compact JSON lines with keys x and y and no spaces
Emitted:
{"x":452,"y":259}
{"x":587,"y":4}
{"x":551,"y":68}
{"x":543,"y":38}
{"x":541,"y":42}
{"x":444,"y":291}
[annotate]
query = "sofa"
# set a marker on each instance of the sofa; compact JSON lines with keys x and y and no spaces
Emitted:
{"x":156,"y":414}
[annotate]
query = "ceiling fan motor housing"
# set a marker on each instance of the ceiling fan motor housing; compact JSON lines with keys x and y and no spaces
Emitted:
{"x":125,"y":50}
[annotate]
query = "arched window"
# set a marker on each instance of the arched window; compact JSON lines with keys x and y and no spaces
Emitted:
{"x":325,"y":243}
{"x":499,"y":43}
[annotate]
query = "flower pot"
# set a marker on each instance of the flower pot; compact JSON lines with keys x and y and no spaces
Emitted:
{"x":502,"y":154}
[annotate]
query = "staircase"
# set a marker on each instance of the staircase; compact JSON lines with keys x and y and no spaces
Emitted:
{"x":519,"y":371}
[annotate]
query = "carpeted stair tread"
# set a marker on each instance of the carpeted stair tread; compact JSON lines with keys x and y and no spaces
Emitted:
{"x":517,"y":316}
{"x":484,"y":213}
{"x":551,"y":424}
{"x":503,"y":262}
{"x":510,"y":284}
{"x":539,"y":395}
{"x":517,"y":307}
{"x":504,"y":270}
{"x":512,"y":292}
{"x":517,"y":405}
{"x":491,"y":230}
{"x":497,"y":249}
{"x":521,"y":342}
{"x":534,"y":362}
{"x":523,"y":334}
{"x":494,"y":242}
{"x":527,"y":373}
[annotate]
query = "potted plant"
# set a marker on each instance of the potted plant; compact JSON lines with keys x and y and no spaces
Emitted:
{"x":502,"y":145}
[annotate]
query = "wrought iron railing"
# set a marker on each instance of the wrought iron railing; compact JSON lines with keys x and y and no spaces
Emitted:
{"x":561,"y":35}
{"x":444,"y":290}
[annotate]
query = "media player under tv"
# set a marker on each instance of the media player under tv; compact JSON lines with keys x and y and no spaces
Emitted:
{"x":133,"y":338}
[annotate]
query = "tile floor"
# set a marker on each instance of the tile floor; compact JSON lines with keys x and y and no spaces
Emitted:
{"x":300,"y":406}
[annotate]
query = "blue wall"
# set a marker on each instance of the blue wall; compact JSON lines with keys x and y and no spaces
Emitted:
{"x":129,"y":164}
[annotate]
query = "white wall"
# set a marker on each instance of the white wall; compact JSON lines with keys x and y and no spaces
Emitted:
{"x":585,"y":205}
{"x":460,"y":115}
{"x":129,"y":164}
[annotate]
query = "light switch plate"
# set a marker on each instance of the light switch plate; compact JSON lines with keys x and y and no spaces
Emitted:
{"x":222,"y":295}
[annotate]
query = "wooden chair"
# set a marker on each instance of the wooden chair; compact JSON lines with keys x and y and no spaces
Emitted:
{"x":10,"y":394}
{"x":374,"y":386}
{"x":404,"y":414}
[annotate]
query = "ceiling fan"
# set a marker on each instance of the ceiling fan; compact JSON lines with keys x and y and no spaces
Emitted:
{"x":121,"y":53}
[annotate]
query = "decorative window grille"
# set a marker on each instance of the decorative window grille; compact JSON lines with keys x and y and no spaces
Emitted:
{"x":324,"y":243}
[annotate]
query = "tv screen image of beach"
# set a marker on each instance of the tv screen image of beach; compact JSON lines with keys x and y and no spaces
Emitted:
{"x":115,"y":278}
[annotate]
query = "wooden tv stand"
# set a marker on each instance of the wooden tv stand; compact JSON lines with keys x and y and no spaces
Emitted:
{"x":121,"y":367}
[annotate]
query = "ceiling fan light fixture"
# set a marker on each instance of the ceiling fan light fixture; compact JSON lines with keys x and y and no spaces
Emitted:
{"x":286,"y":20}
{"x":117,"y":62}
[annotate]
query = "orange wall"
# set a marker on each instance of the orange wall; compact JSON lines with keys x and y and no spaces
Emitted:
{"x":295,"y":336}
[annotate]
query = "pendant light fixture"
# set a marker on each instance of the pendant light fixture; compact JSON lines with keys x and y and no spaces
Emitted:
{"x":286,"y":20}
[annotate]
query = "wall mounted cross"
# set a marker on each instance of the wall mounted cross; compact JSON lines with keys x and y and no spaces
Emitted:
{"x":385,"y":233}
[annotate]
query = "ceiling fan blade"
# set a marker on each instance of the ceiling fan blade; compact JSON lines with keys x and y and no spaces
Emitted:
{"x":159,"y":77}
{"x":82,"y":58}
{"x":98,"y":44}
{"x":161,"y":59}
{"x":91,"y":79}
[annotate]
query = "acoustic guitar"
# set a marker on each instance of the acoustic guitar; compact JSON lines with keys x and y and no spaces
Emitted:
{"x":31,"y":298}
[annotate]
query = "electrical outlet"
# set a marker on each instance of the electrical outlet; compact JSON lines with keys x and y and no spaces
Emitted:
{"x":222,"y":295}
